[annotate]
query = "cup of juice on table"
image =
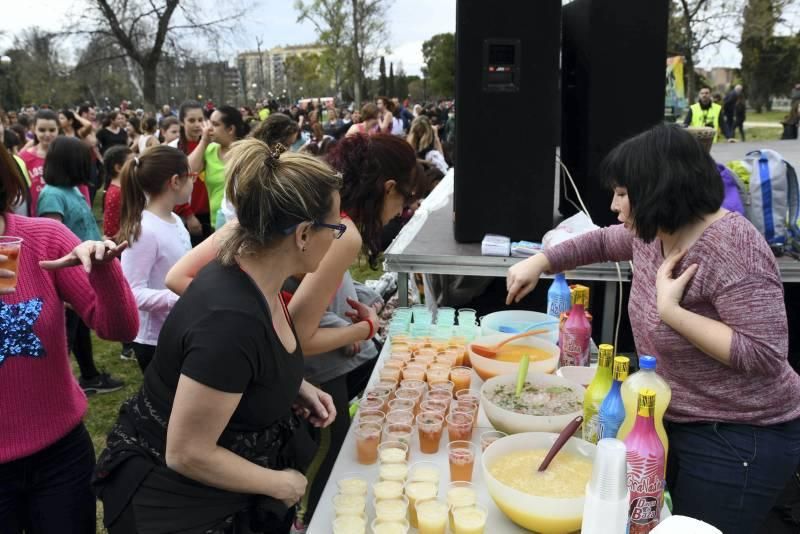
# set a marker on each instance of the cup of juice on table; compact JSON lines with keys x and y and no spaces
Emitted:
{"x":459,"y":348}
{"x":424,"y":472}
{"x":387,"y":490}
{"x":10,"y":247}
{"x":489,"y":437}
{"x":389,"y":373}
{"x":437,"y":375}
{"x":368,"y":437}
{"x":389,"y":527}
{"x":433,"y":405}
{"x":371,"y":416}
{"x":352,"y":484}
{"x":380,"y":392}
{"x":432,"y":517}
{"x":391,"y":509}
{"x":460,"y":494}
{"x":470,"y":519}
{"x":461,"y":377}
{"x":474,"y":398}
{"x":401,"y":356}
{"x":393,"y":472}
{"x":397,"y":432}
{"x":459,"y":426}
{"x":403,"y":417}
{"x":349,"y":504}
{"x":395,"y":363}
{"x":441,"y":395}
{"x":419,"y":491}
{"x":367,"y":403}
{"x":413,"y":371}
{"x":350,"y":524}
{"x":445,"y":385}
{"x":409,"y":394}
{"x":399,"y":405}
{"x":430,"y":425}
{"x":393,"y":452}
{"x":417,"y":385}
{"x":461,"y":455}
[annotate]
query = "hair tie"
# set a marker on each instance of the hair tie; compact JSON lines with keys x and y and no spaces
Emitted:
{"x":274,"y":155}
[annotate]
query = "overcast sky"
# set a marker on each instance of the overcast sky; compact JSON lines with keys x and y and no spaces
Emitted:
{"x":410,"y":21}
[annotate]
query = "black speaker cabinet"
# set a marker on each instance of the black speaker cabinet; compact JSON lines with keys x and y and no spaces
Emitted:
{"x":613,"y":62}
{"x":507,"y":100}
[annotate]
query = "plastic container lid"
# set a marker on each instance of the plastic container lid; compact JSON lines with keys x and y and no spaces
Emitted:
{"x":647,"y":362}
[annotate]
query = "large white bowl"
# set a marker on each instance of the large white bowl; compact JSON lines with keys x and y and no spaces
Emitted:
{"x":514,"y":423}
{"x":541,"y":514}
{"x":519,"y":319}
{"x":489,"y":367}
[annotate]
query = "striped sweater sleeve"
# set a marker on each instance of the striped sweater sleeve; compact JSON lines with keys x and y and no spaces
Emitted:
{"x":614,"y":243}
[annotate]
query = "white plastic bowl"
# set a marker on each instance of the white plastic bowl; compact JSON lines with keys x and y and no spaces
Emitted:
{"x":580,"y":375}
{"x":514,"y":423}
{"x":519,"y":319}
{"x":540,"y":514}
{"x":490,"y":367}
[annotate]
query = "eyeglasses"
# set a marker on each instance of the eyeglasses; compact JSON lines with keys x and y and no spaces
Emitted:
{"x":193,"y":176}
{"x":338,"y":229}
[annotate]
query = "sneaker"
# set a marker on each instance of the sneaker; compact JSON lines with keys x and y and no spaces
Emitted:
{"x":127,"y":354}
{"x":102,"y":383}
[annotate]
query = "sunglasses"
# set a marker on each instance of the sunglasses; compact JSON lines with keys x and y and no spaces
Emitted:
{"x":338,"y":229}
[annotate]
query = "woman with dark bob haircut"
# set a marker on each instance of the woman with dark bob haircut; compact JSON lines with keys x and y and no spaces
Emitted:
{"x":707,"y":301}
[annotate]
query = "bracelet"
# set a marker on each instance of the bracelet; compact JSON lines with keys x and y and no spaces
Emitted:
{"x":371,"y":328}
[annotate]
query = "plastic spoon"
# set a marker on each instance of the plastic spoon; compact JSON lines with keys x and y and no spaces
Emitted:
{"x":567,"y":433}
{"x":491,"y":352}
{"x":522,"y":374}
{"x":511,"y":330}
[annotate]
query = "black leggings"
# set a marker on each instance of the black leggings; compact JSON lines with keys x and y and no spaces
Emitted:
{"x":79,"y":341}
{"x":144,"y":354}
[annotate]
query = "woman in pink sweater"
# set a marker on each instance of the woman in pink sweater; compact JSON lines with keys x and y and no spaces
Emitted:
{"x":46,"y":454}
{"x":707,"y":301}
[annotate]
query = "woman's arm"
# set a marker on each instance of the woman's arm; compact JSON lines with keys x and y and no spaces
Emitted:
{"x":86,"y":127}
{"x":199,"y":415}
{"x":197,"y":159}
{"x":182,"y":273}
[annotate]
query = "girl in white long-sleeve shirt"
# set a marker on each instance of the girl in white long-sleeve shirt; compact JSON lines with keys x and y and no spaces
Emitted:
{"x":152,"y":185}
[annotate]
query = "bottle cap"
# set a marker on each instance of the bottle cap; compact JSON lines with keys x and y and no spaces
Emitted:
{"x":647,"y":362}
{"x":621,"y":367}
{"x":580,"y":295}
{"x":647,"y":402}
{"x":605,"y":355}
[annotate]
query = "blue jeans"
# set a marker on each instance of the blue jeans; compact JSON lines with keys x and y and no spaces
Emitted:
{"x":49,"y":491}
{"x":730,"y":475}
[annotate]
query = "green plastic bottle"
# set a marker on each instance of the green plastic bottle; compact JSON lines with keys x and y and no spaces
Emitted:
{"x":596,"y":393}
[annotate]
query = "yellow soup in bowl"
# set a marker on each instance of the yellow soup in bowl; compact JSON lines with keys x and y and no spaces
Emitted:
{"x":514,"y":353}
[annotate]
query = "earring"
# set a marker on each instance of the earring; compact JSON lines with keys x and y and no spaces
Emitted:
{"x":303,"y":249}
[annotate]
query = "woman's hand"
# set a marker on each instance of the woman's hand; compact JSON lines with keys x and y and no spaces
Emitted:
{"x":523,"y":277}
{"x":669,"y":290}
{"x":315,"y":405}
{"x":362,"y":312}
{"x":292,"y":487}
{"x":86,"y":254}
{"x":6,"y":274}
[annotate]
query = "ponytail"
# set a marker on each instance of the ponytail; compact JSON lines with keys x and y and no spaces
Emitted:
{"x":147,"y":174}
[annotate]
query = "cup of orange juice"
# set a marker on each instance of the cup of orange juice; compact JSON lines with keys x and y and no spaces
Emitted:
{"x":10,"y":247}
{"x":368,"y":437}
{"x":461,"y":455}
{"x":461,"y":377}
{"x":430,"y":426}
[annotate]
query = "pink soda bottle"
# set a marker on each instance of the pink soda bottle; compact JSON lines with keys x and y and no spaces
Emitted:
{"x":646,"y":463}
{"x":576,"y":336}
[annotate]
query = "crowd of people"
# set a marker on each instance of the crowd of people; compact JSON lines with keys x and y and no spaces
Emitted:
{"x":234,"y":232}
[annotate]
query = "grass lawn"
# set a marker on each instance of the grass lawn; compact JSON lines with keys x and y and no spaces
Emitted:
{"x":766,"y":116}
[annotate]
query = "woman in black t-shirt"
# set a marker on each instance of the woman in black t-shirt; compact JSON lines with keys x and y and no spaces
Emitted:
{"x":113,"y":131}
{"x":212,"y":441}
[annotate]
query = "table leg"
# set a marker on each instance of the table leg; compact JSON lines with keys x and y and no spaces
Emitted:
{"x":609,"y":312}
{"x":402,"y":289}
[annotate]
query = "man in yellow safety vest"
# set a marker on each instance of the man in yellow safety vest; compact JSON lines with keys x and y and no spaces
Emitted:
{"x":704,"y":113}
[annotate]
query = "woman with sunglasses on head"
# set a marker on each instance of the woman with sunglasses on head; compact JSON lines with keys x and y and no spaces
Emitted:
{"x":212,"y":442}
{"x":151,"y":186}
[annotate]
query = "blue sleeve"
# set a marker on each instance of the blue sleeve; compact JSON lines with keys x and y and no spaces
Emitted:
{"x":51,"y":201}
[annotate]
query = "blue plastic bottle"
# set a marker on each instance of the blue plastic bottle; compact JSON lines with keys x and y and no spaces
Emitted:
{"x":559,"y":299}
{"x":612,"y":411}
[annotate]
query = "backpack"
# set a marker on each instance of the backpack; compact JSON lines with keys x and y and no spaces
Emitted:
{"x":772,"y":199}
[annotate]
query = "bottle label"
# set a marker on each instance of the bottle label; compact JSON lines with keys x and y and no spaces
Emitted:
{"x":556,"y":306}
{"x":574,"y":350}
{"x":591,"y":429}
{"x":646,"y":484}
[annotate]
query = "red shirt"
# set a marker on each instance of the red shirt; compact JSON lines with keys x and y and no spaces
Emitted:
{"x":35,"y":164}
{"x":112,"y":210}
{"x":198,"y":204}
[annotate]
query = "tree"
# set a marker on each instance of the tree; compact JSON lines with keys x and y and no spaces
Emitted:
{"x":696,"y":25}
{"x":369,"y":33}
{"x":144,"y":29}
{"x":382,"y":85}
{"x":439,"y":53}
{"x":330,"y":19}
{"x":391,"y":80}
{"x":304,"y":71}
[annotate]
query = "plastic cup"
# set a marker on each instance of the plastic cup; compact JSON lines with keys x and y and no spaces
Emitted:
{"x":459,"y":350}
{"x":390,"y":373}
{"x":401,"y":405}
{"x":447,"y":358}
{"x":418,"y":385}
{"x":430,"y":426}
{"x":380,"y":392}
{"x":387,"y":490}
{"x":352,"y":484}
{"x":404,"y":417}
{"x":467,"y":395}
{"x":460,"y":494}
{"x":393,"y":452}
{"x":446,"y":385}
{"x":438,"y":375}
{"x":392,"y":509}
{"x":419,"y":491}
{"x":461,"y":455}
{"x":393,"y":472}
{"x":441,"y":394}
{"x":402,"y":356}
{"x":467,"y":316}
{"x":372,"y":403}
{"x":394,"y":363}
{"x":397,"y":432}
{"x":389,"y":527}
{"x":409,"y":394}
{"x":413,"y":371}
{"x":424,"y":472}
{"x":461,"y":377}
{"x":10,"y":247}
{"x":368,"y":437}
{"x":459,"y":426}
{"x":431,"y":517}
{"x":349,"y":504}
{"x":470,"y":519}
{"x":433,"y":405}
{"x":426,"y":352}
{"x":487,"y":438}
{"x":371,"y":416}
{"x":350,"y":524}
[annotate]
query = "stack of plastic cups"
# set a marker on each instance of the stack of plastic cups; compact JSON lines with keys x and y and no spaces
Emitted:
{"x":605,"y":508}
{"x":467,"y":326}
{"x":446,"y":316}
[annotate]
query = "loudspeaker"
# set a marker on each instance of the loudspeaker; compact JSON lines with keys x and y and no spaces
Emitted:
{"x":613,"y":64}
{"x":507,"y":100}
